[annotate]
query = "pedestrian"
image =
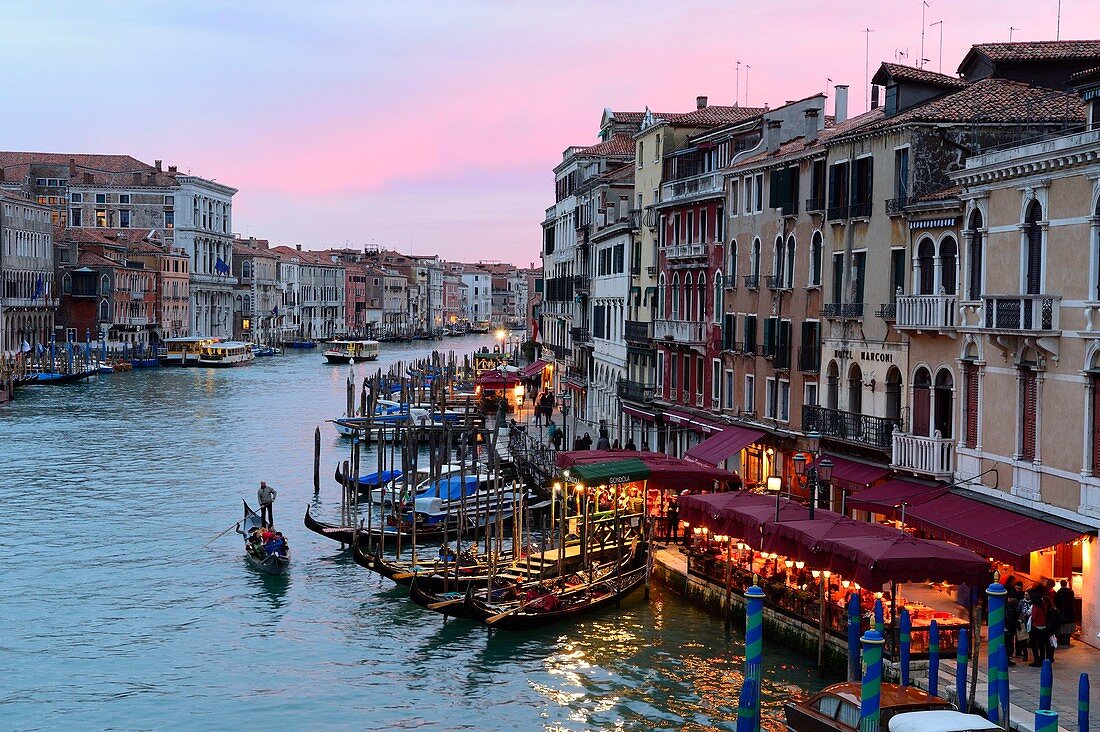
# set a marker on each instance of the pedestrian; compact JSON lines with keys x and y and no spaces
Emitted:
{"x":645,"y":444}
{"x":630,"y":443}
{"x":587,"y":442}
{"x":603,"y":428}
{"x":578,"y":443}
{"x":1066,"y":602}
{"x":1012,"y":625}
{"x":1040,"y":632}
{"x":603,"y":443}
{"x":616,"y":445}
{"x":1023,"y":635}
{"x":673,"y":517}
{"x":557,"y":439}
{"x":266,"y":496}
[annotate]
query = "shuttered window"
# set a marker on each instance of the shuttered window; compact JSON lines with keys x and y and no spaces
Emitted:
{"x":922,"y":397}
{"x":1095,"y":424}
{"x":750,"y":333}
{"x":770,"y":331}
{"x":970,"y":375}
{"x":1029,"y":410}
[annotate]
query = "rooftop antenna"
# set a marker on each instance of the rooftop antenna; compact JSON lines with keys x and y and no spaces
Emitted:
{"x":923,"y":5}
{"x":747,"y":67}
{"x":737,"y":85}
{"x":828,"y":84}
{"x":867,"y":69}
{"x":901,"y":54}
{"x":1058,"y":28}
{"x":940,"y":24}
{"x":1010,"y":29}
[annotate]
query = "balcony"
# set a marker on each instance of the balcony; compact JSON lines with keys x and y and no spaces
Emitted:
{"x":582,"y":282}
{"x":789,"y":208}
{"x":781,"y":359}
{"x":560,"y":353}
{"x":815,"y":204}
{"x":682,"y":331}
{"x":927,"y":312}
{"x":931,"y":456}
{"x":860,"y":429}
{"x":1019,"y":314}
{"x":685,"y":251}
{"x":634,"y":391}
{"x":843,"y":310}
{"x":698,"y":185}
{"x":577,"y":375}
{"x":859,"y":210}
{"x":776,"y":282}
{"x":637,"y":331}
{"x":744,"y":348}
{"x":135,"y":321}
{"x":809,"y":359}
{"x":887,"y":311}
{"x":580,"y":334}
{"x":837,"y":213}
{"x":896,"y":206}
{"x":752,"y":281}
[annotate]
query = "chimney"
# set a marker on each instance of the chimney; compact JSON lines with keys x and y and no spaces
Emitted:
{"x":840,"y":103}
{"x":156,"y":164}
{"x":811,"y":125}
{"x":1,"y":174}
{"x":298,"y":247}
{"x":774,"y":127}
{"x":700,"y":102}
{"x":874,"y":96}
{"x":72,"y":168}
{"x":171,"y":169}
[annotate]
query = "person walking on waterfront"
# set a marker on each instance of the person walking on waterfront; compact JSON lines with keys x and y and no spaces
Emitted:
{"x":603,"y":443}
{"x":1065,"y":601}
{"x":673,"y":518}
{"x":266,"y":496}
{"x":630,"y":443}
{"x":1039,"y":631}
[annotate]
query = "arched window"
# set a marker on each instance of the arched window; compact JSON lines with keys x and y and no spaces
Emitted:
{"x":790,"y":261}
{"x":855,"y":389}
{"x":733,"y":262}
{"x":754,"y":263}
{"x":689,"y":297}
{"x":661,"y":292}
{"x":1033,"y":263}
{"x":701,"y":302}
{"x":943,"y":403}
{"x":718,"y":281}
{"x":949,"y":264}
{"x":777,"y":261}
{"x":974,"y":282}
{"x":1093,"y":425}
{"x":922,"y":388}
{"x":893,"y":393}
{"x":815,"y":259}
{"x":1096,"y":250}
{"x":246,"y":269}
{"x":104,"y":285}
{"x":675,"y":296}
{"x":832,"y":386}
{"x":67,"y":284}
{"x":104,"y":311}
{"x":926,"y":265}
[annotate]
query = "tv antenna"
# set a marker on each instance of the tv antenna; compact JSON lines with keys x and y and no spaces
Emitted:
{"x":1058,"y":27}
{"x":940,"y":24}
{"x":923,"y":6}
{"x":867,"y":69}
{"x":737,"y":85}
{"x":747,"y":67}
{"x":1010,"y":29}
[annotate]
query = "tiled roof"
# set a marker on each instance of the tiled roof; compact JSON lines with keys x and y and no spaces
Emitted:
{"x":1087,"y":75}
{"x":716,"y":115}
{"x":617,"y":146}
{"x":92,"y":259}
{"x":245,"y":246}
{"x":942,"y":194}
{"x":799,"y":145}
{"x":635,"y":118}
{"x":898,"y":72}
{"x":106,"y":170}
{"x":107,"y":237}
{"x":1036,"y":51}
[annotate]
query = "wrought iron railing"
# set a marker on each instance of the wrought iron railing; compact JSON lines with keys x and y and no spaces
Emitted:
{"x":634,"y":391}
{"x":887,"y":311}
{"x":864,"y":429}
{"x":896,"y":206}
{"x":752,"y":281}
{"x":843,"y":310}
{"x":637,"y":331}
{"x":809,"y":359}
{"x":859,"y":210}
{"x":815,"y":204}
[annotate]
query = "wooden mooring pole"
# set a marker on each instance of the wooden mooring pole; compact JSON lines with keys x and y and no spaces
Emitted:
{"x":317,"y":460}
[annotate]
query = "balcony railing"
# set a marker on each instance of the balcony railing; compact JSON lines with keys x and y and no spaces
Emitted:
{"x":887,"y":311}
{"x":781,"y":359}
{"x":560,"y":352}
{"x":859,"y":210}
{"x":776,"y":282}
{"x":927,"y":312}
{"x":837,"y":213}
{"x":634,"y":391}
{"x":752,"y":281}
{"x":896,"y":206}
{"x":747,"y":348}
{"x":842,"y":310}
{"x":683,"y":331}
{"x":815,"y":204}
{"x":1029,"y":313}
{"x":684,"y":251}
{"x":809,"y":359}
{"x":637,"y":331}
{"x":931,"y":456}
{"x":580,"y":334}
{"x":581,"y":282}
{"x":696,"y":185}
{"x":863,"y":429}
{"x":789,"y":208}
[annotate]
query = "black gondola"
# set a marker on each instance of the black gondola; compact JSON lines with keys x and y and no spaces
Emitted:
{"x":470,"y":575}
{"x":449,"y":604}
{"x":275,"y":563}
{"x":386,"y":536}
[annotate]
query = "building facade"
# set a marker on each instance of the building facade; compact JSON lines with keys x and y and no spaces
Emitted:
{"x":28,"y":298}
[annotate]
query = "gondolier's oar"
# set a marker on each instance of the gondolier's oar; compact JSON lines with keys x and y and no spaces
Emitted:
{"x":445,"y":603}
{"x":235,"y":524}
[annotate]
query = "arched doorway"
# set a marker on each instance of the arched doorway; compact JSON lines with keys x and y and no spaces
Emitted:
{"x":893,"y":393}
{"x":832,"y":386}
{"x":926,"y":263}
{"x":855,"y":389}
{"x":943,"y":399}
{"x":922,"y":394}
{"x":949,"y":263}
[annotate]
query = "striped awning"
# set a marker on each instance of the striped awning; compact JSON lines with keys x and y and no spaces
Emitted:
{"x":933,"y":223}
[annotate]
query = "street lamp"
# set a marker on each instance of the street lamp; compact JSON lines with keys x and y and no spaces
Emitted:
{"x":565,"y":400}
{"x":775,"y":485}
{"x":811,"y":473}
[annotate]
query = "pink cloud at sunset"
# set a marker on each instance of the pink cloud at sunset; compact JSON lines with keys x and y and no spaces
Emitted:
{"x":435,"y":126}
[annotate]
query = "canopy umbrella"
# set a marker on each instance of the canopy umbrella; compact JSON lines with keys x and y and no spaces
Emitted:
{"x":610,"y":473}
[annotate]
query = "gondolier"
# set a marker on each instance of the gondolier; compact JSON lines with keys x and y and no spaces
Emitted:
{"x":266,"y":496}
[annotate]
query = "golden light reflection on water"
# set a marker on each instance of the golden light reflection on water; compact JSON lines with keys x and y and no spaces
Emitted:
{"x":661,"y":666}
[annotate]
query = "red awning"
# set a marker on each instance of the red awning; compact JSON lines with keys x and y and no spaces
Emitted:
{"x":992,"y":530}
{"x":665,"y":472}
{"x":496,"y":379}
{"x":640,"y":414}
{"x":698,"y":424}
{"x":870,"y":554}
{"x":883,"y":497}
{"x":532,"y":370}
{"x":856,"y":474}
{"x":722,"y":445}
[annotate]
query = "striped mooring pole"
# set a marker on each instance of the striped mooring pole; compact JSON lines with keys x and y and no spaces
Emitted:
{"x":962,"y":662}
{"x":934,"y":658}
{"x":853,"y":636}
{"x":1083,"y":703}
{"x":871,"y":690}
{"x":906,"y":645}
{"x":1046,"y":684}
{"x":880,"y":625}
{"x":1046,"y":720}
{"x":748,"y":706}
{"x":996,"y":707}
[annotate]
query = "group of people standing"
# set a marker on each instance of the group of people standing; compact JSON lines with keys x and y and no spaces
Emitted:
{"x":1038,"y":619}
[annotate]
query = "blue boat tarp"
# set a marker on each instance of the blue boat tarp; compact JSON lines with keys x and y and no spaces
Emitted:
{"x":450,"y":488}
{"x":373,"y":480}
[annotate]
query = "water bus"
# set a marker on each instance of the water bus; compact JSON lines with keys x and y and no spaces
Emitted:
{"x":226,"y":353}
{"x":183,"y":351}
{"x":348,"y":351}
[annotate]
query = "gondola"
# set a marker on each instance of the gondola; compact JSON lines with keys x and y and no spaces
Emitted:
{"x":276,"y":564}
{"x":42,"y":378}
{"x":448,"y":604}
{"x":429,"y":578}
{"x":573,"y":603}
{"x":387,"y":535}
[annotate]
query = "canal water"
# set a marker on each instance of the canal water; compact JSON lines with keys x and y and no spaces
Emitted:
{"x":113,"y":615}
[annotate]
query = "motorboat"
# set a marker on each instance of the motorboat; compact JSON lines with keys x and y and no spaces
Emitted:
{"x":183,"y":351}
{"x":224,"y":354}
{"x":940,"y":720}
{"x":351,"y":351}
{"x":836,"y":707}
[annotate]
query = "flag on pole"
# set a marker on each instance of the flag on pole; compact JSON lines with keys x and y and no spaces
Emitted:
{"x":37,"y":288}
{"x":220,"y":266}
{"x":275,"y":311}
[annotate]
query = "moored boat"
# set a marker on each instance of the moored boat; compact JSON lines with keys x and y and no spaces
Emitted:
{"x":349,"y":351}
{"x":226,"y":354}
{"x":260,"y":350}
{"x":50,"y":378}
{"x":183,"y":351}
{"x":270,"y":558}
{"x":836,"y":707}
{"x":300,"y":344}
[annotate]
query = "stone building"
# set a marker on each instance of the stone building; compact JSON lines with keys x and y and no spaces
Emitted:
{"x":28,"y":298}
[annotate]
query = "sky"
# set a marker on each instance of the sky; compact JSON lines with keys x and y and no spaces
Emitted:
{"x":435,"y":127}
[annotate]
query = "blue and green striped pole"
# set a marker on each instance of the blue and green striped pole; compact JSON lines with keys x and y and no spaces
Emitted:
{"x":934,"y":658}
{"x":853,"y":636}
{"x":906,"y":645}
{"x":1083,"y":703}
{"x":995,"y":655}
{"x":1046,"y":684}
{"x":880,"y":625}
{"x":870,"y":692}
{"x":1046,"y":720}
{"x":962,"y":662}
{"x":748,"y":706}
